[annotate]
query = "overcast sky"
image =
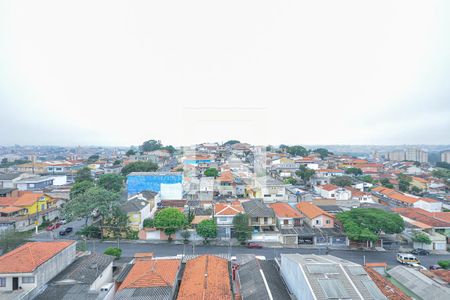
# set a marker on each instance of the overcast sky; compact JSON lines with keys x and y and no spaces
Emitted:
{"x":265,"y":72}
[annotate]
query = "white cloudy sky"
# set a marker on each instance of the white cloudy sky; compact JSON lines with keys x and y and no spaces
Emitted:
{"x":266,"y":72}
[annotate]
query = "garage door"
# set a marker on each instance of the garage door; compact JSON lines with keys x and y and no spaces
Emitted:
{"x":440,"y":246}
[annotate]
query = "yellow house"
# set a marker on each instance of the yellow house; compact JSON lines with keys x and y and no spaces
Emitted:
{"x":419,"y":183}
{"x":33,"y":202}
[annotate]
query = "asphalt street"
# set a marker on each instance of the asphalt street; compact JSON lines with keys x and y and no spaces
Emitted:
{"x":357,"y":256}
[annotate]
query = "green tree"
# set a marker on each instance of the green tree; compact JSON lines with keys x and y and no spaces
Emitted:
{"x":150,"y":145}
{"x":80,"y":187}
{"x":149,"y":223}
{"x":354,"y":171}
{"x":404,"y":182}
{"x":443,"y":164}
{"x":115,"y":224}
{"x":415,"y":190}
{"x":322,"y":152}
{"x":11,"y":239}
{"x":441,"y":173}
{"x":169,"y":148}
{"x":84,"y":174}
{"x":241,"y":228}
{"x":421,"y":237}
{"x":211,"y":172}
{"x":91,"y":231}
{"x":169,"y":220}
{"x":130,"y":152}
{"x":290,"y":180}
{"x":93,"y":158}
{"x":341,"y":181}
{"x":297,"y":151}
{"x":231,"y":142}
{"x":139,"y":166}
{"x":367,"y":178}
{"x":117,"y":162}
{"x":207,"y":229}
{"x":113,"y":251}
{"x":111,"y":182}
{"x":366,"y":224}
{"x":385,"y":182}
{"x":304,"y":173}
{"x":95,"y":198}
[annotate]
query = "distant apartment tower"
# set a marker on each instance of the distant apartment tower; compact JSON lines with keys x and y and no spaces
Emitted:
{"x":412,"y":154}
{"x":445,"y":156}
{"x":415,"y":154}
{"x":398,"y":155}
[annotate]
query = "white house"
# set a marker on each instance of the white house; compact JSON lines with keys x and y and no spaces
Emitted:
{"x":26,"y":269}
{"x":428,"y":204}
{"x":224,"y":214}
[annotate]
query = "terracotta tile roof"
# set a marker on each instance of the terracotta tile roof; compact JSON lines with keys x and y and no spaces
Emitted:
{"x":151,"y":273}
{"x":388,"y":289}
{"x":223,"y":209}
{"x":355,"y":192}
{"x":403,"y":198}
{"x":10,"y":209}
{"x":328,"y":187}
{"x":29,"y":256}
{"x":417,"y":214}
{"x":442,"y":216}
{"x":443,"y":274}
{"x":429,"y":200}
{"x":28,"y":199}
{"x":7,"y":201}
{"x":207,"y":278}
{"x":311,"y":211}
{"x":226,"y":176}
{"x":284,"y":210}
{"x":419,"y":179}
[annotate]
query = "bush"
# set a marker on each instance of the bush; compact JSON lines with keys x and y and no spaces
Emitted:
{"x":116,"y":252}
{"x":90,"y":231}
{"x":148,"y":223}
{"x":445,"y":264}
{"x":132,"y":235}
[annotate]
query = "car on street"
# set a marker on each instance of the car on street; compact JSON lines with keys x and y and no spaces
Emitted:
{"x":417,"y":266}
{"x":407,"y":258}
{"x":62,"y":221}
{"x":62,"y":232}
{"x":53,"y":226}
{"x":69,"y":229}
{"x":435,"y":267}
{"x":251,"y":245}
{"x":420,"y":251}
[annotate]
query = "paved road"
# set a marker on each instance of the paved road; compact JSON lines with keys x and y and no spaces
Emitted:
{"x":54,"y":235}
{"x":128,"y":250}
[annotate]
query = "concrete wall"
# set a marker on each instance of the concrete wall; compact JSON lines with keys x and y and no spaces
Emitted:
{"x":295,"y":279}
{"x":104,"y":278}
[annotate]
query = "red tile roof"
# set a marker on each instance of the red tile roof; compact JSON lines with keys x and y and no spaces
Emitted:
{"x":284,"y":210}
{"x":224,"y":209}
{"x":28,"y":199}
{"x":418,"y":215}
{"x":29,"y":256}
{"x":7,"y":201}
{"x":328,"y":187}
{"x":226,"y":176}
{"x":391,"y":291}
{"x":147,"y":273}
{"x":205,"y":277}
{"x":311,"y":211}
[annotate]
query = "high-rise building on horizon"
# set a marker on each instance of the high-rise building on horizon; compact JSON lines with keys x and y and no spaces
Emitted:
{"x":412,"y":154}
{"x":445,"y":156}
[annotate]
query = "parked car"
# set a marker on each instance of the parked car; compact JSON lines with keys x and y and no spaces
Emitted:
{"x":69,"y":229}
{"x":254,"y":246}
{"x":62,"y":232}
{"x":435,"y":267}
{"x":62,"y":221}
{"x":51,"y":227}
{"x":417,"y":266}
{"x":420,"y":251}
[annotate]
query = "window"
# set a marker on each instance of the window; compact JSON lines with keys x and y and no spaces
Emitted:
{"x":327,"y":222}
{"x":286,"y":222}
{"x":223,"y":219}
{"x":2,"y":281}
{"x":28,"y":279}
{"x":317,"y":222}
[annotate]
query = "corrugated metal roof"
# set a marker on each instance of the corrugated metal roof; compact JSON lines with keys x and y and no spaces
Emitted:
{"x":321,"y":268}
{"x":373,"y":290}
{"x":334,"y":289}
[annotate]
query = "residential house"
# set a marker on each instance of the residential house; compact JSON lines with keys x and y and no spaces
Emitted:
{"x":224,"y":214}
{"x":324,"y":176}
{"x":343,"y":196}
{"x":269,"y":189}
{"x":34,"y":183}
{"x":287,"y":217}
{"x":9,"y":192}
{"x":25,"y":270}
{"x":88,"y":277}
{"x":261,"y":217}
{"x":394,"y":198}
{"x":257,"y":279}
{"x":149,"y":278}
{"x":419,"y":183}
{"x":10,"y":180}
{"x":206,"y":277}
{"x":137,"y":210}
{"x":359,"y":196}
{"x":225,"y":184}
{"x":314,"y":277}
{"x":315,"y":216}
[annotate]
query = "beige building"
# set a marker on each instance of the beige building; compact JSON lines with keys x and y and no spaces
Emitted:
{"x":445,"y":156}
